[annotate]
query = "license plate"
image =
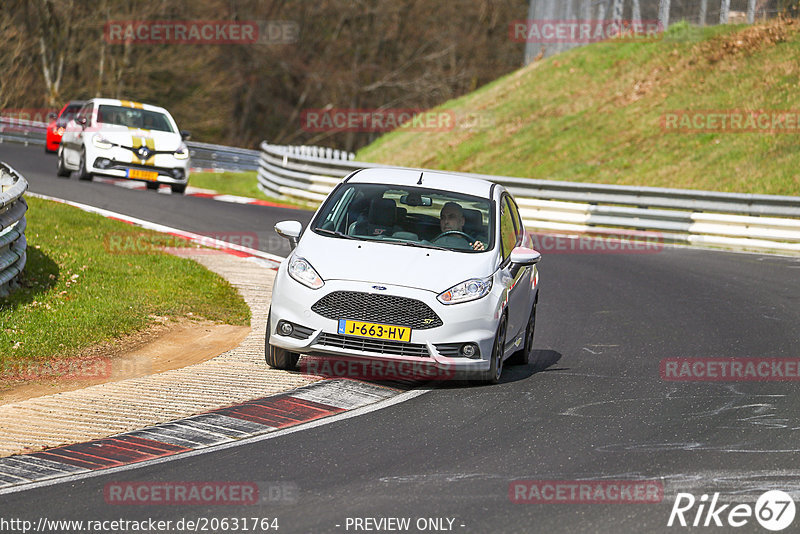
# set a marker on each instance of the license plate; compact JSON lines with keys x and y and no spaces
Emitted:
{"x":375,"y":331}
{"x":142,"y":175}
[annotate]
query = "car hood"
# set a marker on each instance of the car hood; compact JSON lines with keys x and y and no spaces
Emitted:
{"x":382,"y":263}
{"x":130,"y":137}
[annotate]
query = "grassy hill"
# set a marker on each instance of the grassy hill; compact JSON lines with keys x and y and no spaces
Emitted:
{"x":594,"y":114}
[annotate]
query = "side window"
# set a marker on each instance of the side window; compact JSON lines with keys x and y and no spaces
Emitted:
{"x":517,"y":219}
{"x":86,"y":111}
{"x":508,"y":232}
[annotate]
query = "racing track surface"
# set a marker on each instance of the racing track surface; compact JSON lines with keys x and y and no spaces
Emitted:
{"x":599,"y":409}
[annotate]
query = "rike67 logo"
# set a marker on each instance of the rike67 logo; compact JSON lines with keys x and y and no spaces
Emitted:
{"x":774,"y":510}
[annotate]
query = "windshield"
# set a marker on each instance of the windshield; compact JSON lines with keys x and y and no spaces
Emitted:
{"x":407,"y":216}
{"x":134,"y":118}
{"x":68,"y":114}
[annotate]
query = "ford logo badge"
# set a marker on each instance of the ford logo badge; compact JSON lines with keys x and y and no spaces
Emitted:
{"x":379,"y":288}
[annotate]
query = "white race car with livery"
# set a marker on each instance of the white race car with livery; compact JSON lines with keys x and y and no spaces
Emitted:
{"x":125,"y":139}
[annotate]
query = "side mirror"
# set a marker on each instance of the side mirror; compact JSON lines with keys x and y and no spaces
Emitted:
{"x":525,"y":256}
{"x":290,"y":230}
{"x":82,"y":121}
{"x":186,"y":135}
{"x":52,"y":115}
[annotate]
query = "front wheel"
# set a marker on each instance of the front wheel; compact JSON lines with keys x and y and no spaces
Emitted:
{"x":523,"y":356}
{"x":83,"y":174}
{"x":178,"y":189}
{"x":152,"y":186}
{"x":492,"y":376}
{"x":61,"y":169}
{"x":276,"y":357}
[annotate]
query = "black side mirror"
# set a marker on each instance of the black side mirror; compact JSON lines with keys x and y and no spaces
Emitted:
{"x":186,"y":135}
{"x":52,"y":115}
{"x":82,"y":121}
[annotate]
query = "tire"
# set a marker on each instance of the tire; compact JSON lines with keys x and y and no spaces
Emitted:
{"x":61,"y":170}
{"x":178,"y":189}
{"x":82,"y":174}
{"x":152,"y":186}
{"x":523,"y":356}
{"x":276,"y":357}
{"x":492,"y":376}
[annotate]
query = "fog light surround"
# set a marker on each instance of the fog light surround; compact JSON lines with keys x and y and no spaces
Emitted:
{"x":285,"y":328}
{"x":470,"y":350}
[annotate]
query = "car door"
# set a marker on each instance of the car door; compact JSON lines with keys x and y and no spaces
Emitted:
{"x":516,"y":277}
{"x":73,"y":136}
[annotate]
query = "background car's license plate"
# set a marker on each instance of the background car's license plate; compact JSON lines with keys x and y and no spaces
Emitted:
{"x":377,"y":331}
{"x":143,"y":175}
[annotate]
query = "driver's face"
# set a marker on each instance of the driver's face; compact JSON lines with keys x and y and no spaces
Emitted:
{"x":451,"y":219}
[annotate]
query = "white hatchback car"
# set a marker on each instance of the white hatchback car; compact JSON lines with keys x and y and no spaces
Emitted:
{"x":421,"y":268}
{"x":125,"y":139}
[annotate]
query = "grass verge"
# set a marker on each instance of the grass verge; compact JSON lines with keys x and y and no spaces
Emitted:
{"x":80,"y":290}
{"x":594,"y":114}
{"x":243,"y":184}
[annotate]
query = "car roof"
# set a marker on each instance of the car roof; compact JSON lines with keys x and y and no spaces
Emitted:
{"x":126,"y":104}
{"x":432,"y":179}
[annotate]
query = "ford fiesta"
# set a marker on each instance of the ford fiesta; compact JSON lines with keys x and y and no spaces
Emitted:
{"x":407,"y":267}
{"x":125,"y":139}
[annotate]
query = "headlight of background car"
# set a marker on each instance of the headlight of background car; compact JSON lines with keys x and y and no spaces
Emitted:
{"x":472,"y":289}
{"x":101,"y":142}
{"x":182,"y":152}
{"x":303,"y":272}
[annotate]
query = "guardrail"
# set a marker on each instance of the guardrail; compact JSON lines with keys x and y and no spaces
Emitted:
{"x":13,"y":245}
{"x":704,"y":218}
{"x":203,"y":155}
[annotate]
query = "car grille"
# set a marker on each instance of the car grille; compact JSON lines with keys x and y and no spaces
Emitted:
{"x":385,"y":309}
{"x":381,"y":346}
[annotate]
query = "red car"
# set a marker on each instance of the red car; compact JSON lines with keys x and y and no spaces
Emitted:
{"x":56,"y":127}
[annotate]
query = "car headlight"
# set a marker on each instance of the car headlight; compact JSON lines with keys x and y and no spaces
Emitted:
{"x":472,"y":289}
{"x":182,"y":152}
{"x":101,"y":142}
{"x":303,"y":272}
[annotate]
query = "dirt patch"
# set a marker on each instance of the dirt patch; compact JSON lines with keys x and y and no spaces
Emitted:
{"x":168,"y":344}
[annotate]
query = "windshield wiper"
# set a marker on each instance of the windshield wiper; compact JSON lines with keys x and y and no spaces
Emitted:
{"x":336,"y":233}
{"x":420,"y":245}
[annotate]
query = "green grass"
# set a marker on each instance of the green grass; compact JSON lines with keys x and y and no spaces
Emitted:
{"x":593,"y":114}
{"x":84,"y":285}
{"x":243,"y":184}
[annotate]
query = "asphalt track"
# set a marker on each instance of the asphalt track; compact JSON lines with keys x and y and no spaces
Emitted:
{"x":596,"y":407}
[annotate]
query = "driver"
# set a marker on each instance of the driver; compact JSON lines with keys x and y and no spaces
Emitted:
{"x":451,"y":219}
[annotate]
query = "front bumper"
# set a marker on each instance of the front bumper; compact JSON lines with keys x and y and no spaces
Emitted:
{"x":117,"y":161}
{"x":471,"y":322}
